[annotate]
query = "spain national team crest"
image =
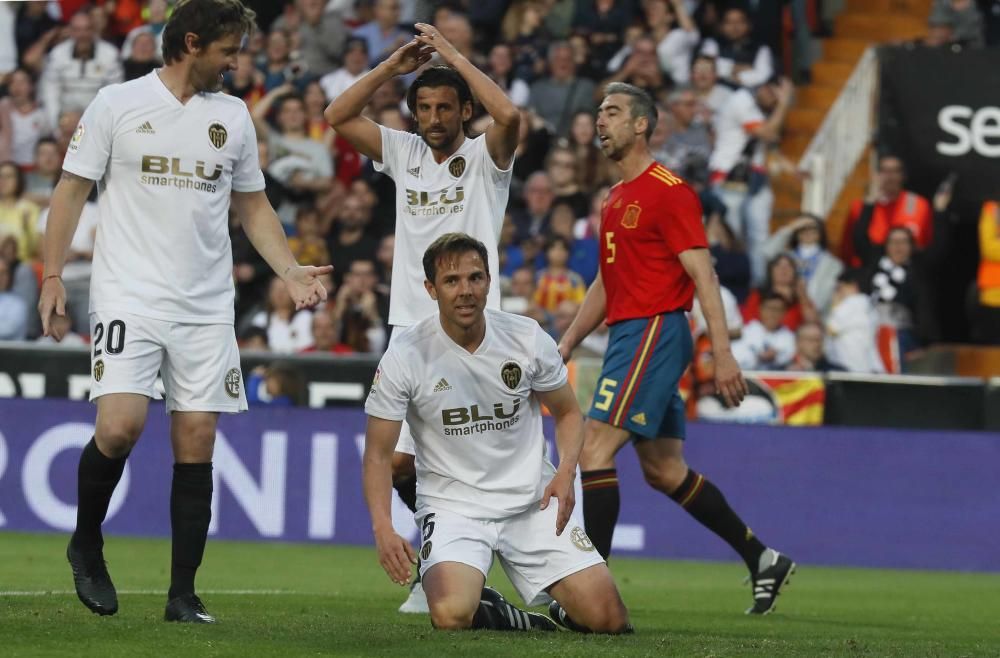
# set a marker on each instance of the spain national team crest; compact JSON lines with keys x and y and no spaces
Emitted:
{"x":425,"y":550}
{"x":457,"y":167}
{"x":232,"y":382}
{"x":580,"y":539}
{"x":217,"y":135}
{"x":510,"y":373}
{"x":631,"y":217}
{"x":98,"y":370}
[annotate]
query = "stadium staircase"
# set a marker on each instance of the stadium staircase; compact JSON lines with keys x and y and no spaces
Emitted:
{"x":861,"y":23}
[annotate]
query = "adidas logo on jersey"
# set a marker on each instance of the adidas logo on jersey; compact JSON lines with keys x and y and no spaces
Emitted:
{"x":639,"y":418}
{"x":414,"y":172}
{"x":145,"y":129}
{"x":442,"y":385}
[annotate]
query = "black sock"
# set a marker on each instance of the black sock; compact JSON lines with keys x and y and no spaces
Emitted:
{"x":705,"y":502}
{"x":407,"y":490}
{"x":97,"y":477}
{"x":600,"y":507}
{"x":190,"y":514}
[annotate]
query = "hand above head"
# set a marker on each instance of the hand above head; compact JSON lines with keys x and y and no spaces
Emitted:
{"x":409,"y":57}
{"x":430,"y":36}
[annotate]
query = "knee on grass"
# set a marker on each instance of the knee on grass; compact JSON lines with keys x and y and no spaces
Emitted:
{"x":447,"y":617}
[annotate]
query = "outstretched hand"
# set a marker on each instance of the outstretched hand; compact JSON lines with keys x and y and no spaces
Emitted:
{"x":304,"y":285}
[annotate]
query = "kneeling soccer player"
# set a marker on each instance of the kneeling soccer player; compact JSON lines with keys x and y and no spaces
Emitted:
{"x":470,"y":383}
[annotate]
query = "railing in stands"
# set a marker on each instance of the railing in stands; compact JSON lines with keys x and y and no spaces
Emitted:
{"x":842,"y":138}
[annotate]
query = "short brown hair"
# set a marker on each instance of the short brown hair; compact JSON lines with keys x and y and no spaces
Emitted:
{"x":209,"y":19}
{"x":452,"y":243}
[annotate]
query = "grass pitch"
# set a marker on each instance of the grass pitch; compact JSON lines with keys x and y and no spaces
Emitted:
{"x":291,"y":600}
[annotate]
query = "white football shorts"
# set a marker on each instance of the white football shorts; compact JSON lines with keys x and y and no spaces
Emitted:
{"x":199,"y":363}
{"x":531,"y":554}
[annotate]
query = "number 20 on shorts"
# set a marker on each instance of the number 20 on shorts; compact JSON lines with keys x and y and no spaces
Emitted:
{"x":605,"y":393}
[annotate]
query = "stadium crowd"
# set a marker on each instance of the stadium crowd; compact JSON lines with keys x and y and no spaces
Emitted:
{"x":715,"y":69}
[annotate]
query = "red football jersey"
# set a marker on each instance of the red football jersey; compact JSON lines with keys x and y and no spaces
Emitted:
{"x":645,"y":224}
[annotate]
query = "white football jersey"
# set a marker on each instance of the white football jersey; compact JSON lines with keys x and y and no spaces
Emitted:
{"x":165,"y":172}
{"x":466,"y":193}
{"x":477,"y":427}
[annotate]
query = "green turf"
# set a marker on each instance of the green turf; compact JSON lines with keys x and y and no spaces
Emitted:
{"x":338,"y":601}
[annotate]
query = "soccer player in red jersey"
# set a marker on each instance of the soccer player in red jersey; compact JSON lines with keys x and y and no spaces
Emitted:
{"x":654,"y":259}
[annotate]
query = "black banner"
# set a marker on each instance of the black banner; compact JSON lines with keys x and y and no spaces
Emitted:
{"x":940,"y":112}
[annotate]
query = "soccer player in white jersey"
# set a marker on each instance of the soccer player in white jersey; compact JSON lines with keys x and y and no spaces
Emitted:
{"x":470,"y":381}
{"x":169,"y":153}
{"x":445,"y":181}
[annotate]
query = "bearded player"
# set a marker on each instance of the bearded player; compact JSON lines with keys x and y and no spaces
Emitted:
{"x":445,"y":181}
{"x":654,"y":259}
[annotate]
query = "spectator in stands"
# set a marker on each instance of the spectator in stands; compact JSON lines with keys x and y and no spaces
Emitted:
{"x":299,"y":162}
{"x":783,"y":279}
{"x":592,"y":168}
{"x":732,"y":265}
{"x":349,"y":241}
{"x":254,"y":339}
{"x":77,"y":68}
{"x":24,"y":281}
{"x":965,"y":18}
{"x":533,"y":220}
{"x":143,"y":58}
{"x":986,"y":318}
{"x":308,"y":245}
{"x":288,"y":330}
{"x":22,"y":120}
{"x":18,"y":215}
{"x":41,"y":180}
{"x":689,"y":145}
{"x":940,"y":32}
{"x":383,"y":34}
{"x":583,"y":251}
{"x":277,"y":385}
{"x":157,"y":13}
{"x":325,"y":334}
{"x":888,"y":204}
{"x":745,"y":126}
{"x":766,"y":343}
{"x":534,"y":139}
{"x":561,"y":168}
{"x":525,"y":33}
{"x":740,"y":58}
{"x":383,"y":259}
{"x":320,"y":35}
{"x":805,"y":239}
{"x":13,"y":310}
{"x":247,"y":81}
{"x":676,"y":37}
{"x":557,"y":282}
{"x":734,"y":320}
{"x":355,"y":65}
{"x":276,"y":60}
{"x":641,"y":68}
{"x":521,"y":297}
{"x":603,"y":22}
{"x":36,"y":32}
{"x":809,"y":356}
{"x":360,"y":311}
{"x":851,"y":327}
{"x":501,"y":71}
{"x":562,"y":93}
{"x":712,"y":94}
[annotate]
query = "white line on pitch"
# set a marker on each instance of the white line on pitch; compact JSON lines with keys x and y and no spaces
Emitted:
{"x":234,"y":592}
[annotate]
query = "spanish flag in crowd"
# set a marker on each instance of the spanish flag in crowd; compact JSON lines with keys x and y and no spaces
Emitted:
{"x":800,"y":400}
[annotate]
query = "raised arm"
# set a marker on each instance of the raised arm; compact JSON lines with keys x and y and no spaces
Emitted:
{"x":344,"y":112}
{"x":728,"y":378}
{"x":591,"y":314}
{"x":64,"y":214}
{"x":394,"y":553}
{"x":263,"y":107}
{"x":502,"y":134}
{"x":563,"y":405}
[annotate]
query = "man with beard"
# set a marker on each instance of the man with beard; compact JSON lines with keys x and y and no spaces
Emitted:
{"x":171,"y":153}
{"x":654,"y":259}
{"x":445,"y":181}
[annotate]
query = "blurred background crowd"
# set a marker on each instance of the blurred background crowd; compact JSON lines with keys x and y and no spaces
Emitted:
{"x":723,"y":73}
